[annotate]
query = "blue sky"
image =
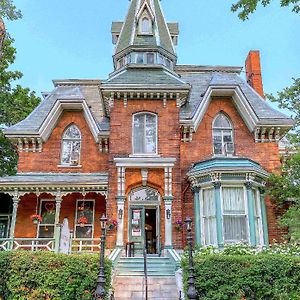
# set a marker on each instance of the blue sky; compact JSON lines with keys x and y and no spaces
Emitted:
{"x":58,"y":39}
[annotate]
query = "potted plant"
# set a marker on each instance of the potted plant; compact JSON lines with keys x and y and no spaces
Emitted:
{"x":36,"y":218}
{"x":111,"y":224}
{"x":178,"y":225}
{"x":82,"y":221}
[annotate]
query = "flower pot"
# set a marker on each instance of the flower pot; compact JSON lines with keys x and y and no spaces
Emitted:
{"x":35,"y":221}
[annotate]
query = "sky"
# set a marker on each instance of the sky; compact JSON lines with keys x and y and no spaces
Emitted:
{"x":60,"y":39}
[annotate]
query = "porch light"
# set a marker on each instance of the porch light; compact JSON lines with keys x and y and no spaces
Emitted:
{"x":120,"y":214}
{"x":103,"y":221}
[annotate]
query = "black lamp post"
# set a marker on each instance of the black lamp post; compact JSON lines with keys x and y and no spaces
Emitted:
{"x":100,"y":289}
{"x":191,"y":292}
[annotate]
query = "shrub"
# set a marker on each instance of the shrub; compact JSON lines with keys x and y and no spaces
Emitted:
{"x":232,"y":274}
{"x":45,"y":275}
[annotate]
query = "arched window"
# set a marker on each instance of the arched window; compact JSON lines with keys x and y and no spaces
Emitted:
{"x":222,"y":135}
{"x":71,"y":144}
{"x":145,"y":25}
{"x":144,"y":133}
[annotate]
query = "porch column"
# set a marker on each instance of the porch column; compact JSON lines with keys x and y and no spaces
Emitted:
{"x":58,"y":200}
{"x":168,"y":221}
{"x":120,"y":214}
{"x":251,"y":216}
{"x":219,"y":218}
{"x":16,"y":201}
{"x":264,"y":216}
{"x":168,"y":198}
{"x":196,"y":190}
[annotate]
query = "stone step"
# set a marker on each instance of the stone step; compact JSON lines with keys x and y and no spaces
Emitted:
{"x":133,"y":288}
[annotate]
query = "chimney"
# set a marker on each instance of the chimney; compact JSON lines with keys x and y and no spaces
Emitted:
{"x":253,"y":71}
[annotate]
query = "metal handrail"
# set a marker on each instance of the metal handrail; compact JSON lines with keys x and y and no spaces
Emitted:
{"x":145,"y":268}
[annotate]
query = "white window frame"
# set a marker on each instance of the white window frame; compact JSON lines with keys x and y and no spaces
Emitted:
{"x":76,"y":214}
{"x":231,"y":129}
{"x":246,"y":211}
{"x":260,"y":230}
{"x":62,"y":147}
{"x":141,"y":31}
{"x":40,"y":213}
{"x":132,"y":135}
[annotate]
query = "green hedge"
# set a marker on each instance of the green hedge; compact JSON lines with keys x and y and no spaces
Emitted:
{"x":262,"y":276}
{"x":45,"y":275}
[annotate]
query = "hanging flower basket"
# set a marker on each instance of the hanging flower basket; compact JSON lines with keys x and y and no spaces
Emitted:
{"x":112,"y":224}
{"x":36,"y":218}
{"x":82,"y":221}
{"x":178,"y":225}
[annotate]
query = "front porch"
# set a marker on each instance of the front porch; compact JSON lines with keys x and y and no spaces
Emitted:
{"x":69,"y":207}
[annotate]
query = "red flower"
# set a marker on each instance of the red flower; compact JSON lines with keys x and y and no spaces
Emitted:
{"x":82,"y":220}
{"x":36,"y":217}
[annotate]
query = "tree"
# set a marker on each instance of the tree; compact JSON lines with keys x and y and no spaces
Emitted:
{"x":247,"y":7}
{"x":9,"y":11}
{"x":16,"y":103}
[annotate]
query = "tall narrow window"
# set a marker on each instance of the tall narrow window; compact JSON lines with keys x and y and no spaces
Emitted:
{"x":234,"y":215}
{"x":144,"y":133}
{"x":71,"y":144}
{"x":47,"y":212}
{"x":84,"y":226}
{"x":222,"y":136}
{"x":146,"y":25}
{"x":209,"y":217}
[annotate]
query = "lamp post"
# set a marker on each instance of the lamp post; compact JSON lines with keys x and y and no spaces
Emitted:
{"x":100,"y":289}
{"x":191,"y":292}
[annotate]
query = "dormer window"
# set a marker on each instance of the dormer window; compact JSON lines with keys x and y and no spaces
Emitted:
{"x":71,"y":146}
{"x":145,"y":26}
{"x":222,"y":136}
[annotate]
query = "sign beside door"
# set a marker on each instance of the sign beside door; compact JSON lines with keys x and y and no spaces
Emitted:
{"x":136,"y":223}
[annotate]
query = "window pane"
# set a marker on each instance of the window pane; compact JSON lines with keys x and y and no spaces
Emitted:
{"x":150,"y":131}
{"x":46,"y":231}
{"x":209,"y":217}
{"x":140,"y":58}
{"x":48,"y":212}
{"x":84,"y":232}
{"x":138,"y":133}
{"x":222,"y":121}
{"x":150,"y":58}
{"x":72,"y":133}
{"x":227,"y":136}
{"x":85,"y":209}
{"x":233,"y":200}
{"x":235,"y":229}
{"x":66,"y":152}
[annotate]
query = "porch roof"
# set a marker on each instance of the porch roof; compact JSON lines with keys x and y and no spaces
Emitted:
{"x":49,"y":181}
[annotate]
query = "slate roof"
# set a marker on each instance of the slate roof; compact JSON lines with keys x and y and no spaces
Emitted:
{"x":201,"y":81}
{"x":129,"y":35}
{"x":55,"y":179}
{"x":144,"y":76}
{"x":90,"y":94}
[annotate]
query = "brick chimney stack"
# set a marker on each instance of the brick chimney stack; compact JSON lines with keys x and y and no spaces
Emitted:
{"x":253,"y":71}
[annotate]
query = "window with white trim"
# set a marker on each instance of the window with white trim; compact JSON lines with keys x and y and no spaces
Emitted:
{"x":222,"y":135}
{"x":47,"y":225}
{"x":145,"y":26}
{"x":144,"y":133}
{"x":84,"y":219}
{"x":71,"y":146}
{"x":257,"y":216}
{"x":235,"y":225}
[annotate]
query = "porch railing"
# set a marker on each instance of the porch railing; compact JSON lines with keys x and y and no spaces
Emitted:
{"x":32,"y":244}
{"x":85,"y":245}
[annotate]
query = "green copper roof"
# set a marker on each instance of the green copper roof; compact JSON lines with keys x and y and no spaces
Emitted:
{"x":130,"y":35}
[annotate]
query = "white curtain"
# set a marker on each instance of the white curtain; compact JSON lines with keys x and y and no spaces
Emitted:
{"x":234,"y":215}
{"x":209,"y":217}
{"x":257,"y":217}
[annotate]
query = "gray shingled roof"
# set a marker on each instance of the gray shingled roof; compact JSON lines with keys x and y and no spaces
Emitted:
{"x":130,"y":36}
{"x":55,"y":178}
{"x":144,"y":76}
{"x":200,"y":81}
{"x":90,"y":94}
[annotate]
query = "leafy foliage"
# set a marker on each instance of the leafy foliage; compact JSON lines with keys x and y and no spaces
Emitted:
{"x":9,"y":11}
{"x":222,"y":276}
{"x":44,"y":275}
{"x":247,"y":7}
{"x":16,"y":103}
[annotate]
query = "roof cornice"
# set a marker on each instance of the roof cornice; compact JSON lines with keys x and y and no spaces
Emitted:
{"x":199,"y":68}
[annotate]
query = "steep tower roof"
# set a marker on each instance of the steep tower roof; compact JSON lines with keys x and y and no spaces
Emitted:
{"x":145,"y":29}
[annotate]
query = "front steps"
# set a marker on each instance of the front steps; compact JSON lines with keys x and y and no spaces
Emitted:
{"x":133,"y":288}
{"x":134,"y":266}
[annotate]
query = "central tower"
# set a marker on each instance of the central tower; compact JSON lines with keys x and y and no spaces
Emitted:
{"x":144,"y":38}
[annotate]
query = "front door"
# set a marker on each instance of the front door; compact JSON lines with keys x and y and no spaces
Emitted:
{"x":137,"y":227}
